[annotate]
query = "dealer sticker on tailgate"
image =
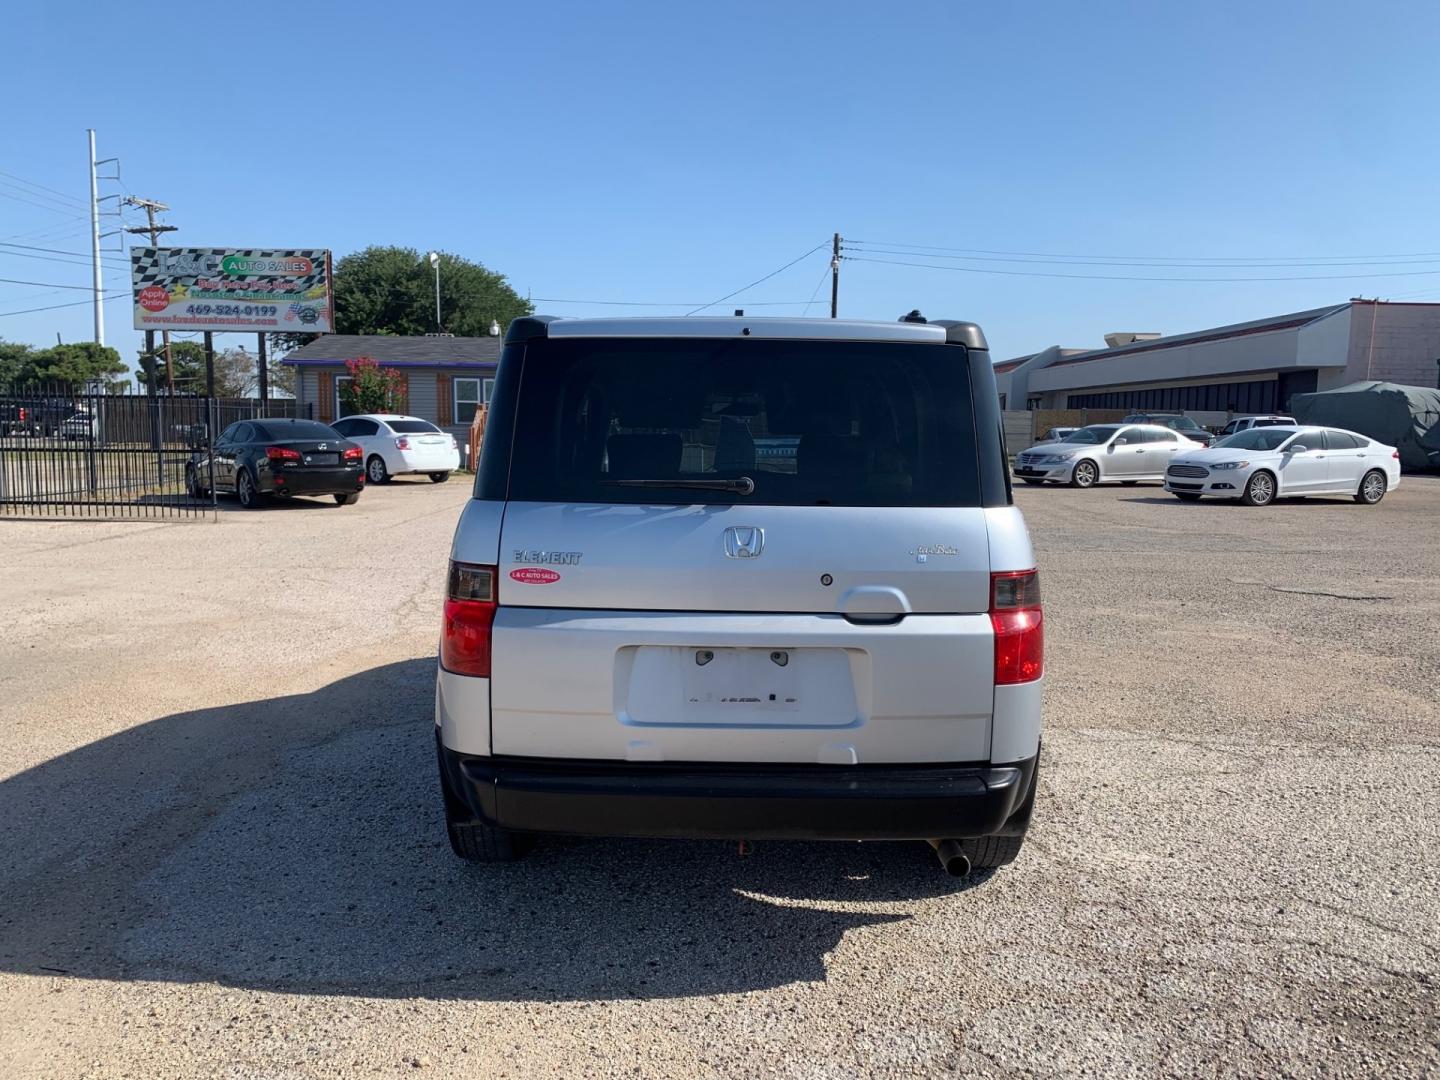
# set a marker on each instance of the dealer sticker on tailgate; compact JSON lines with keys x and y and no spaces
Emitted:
{"x":534,"y":575}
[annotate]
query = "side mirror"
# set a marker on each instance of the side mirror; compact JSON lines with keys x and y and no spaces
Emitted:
{"x":1296,"y":448}
{"x":1119,"y":442}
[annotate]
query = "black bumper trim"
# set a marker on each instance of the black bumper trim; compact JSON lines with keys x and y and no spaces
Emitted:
{"x":732,"y":801}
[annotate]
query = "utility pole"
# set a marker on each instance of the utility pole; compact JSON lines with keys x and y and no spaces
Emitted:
{"x":151,"y":208}
{"x":97,"y":283}
{"x":835,"y":279}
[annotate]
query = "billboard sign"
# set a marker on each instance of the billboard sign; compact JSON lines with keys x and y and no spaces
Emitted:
{"x":253,"y":290}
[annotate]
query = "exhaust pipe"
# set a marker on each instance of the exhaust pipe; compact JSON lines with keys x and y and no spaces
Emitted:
{"x":952,"y":857}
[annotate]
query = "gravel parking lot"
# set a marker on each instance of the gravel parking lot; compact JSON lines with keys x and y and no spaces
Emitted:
{"x":222,"y":853}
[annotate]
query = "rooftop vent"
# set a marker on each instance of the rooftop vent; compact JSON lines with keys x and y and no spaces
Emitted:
{"x":1114,"y":341}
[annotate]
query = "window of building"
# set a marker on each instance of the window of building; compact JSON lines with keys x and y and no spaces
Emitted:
{"x":340,"y":408}
{"x":469,"y":395}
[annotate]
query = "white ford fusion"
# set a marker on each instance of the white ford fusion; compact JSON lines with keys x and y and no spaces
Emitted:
{"x":1265,"y":463}
{"x":1127,"y":453}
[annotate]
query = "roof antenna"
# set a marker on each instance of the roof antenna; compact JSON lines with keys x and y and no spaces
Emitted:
{"x":914,"y":316}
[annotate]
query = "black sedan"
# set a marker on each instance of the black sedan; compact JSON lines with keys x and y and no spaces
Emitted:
{"x":256,"y":458}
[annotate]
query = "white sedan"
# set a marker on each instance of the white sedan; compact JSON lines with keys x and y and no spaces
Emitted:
{"x":396,"y":444}
{"x":1265,"y":463}
{"x":1127,"y":453}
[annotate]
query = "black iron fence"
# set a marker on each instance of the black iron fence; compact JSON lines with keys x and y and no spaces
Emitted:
{"x":92,"y":454}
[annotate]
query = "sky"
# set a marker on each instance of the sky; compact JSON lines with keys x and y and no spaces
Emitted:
{"x":667,"y":154}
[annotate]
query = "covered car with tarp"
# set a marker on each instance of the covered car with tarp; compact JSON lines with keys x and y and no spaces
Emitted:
{"x":1405,"y":417}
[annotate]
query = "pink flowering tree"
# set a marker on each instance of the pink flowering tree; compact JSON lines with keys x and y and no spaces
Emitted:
{"x":371,"y":388}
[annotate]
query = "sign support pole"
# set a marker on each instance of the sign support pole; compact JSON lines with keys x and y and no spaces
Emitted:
{"x":264,"y":362}
{"x":209,"y":364}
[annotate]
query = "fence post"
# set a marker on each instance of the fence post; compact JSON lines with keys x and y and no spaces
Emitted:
{"x":92,"y":409}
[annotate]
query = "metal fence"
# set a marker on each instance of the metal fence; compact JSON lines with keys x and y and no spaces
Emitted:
{"x":91,"y":454}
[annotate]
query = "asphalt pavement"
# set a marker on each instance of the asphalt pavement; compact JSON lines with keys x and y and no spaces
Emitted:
{"x":222,"y":852}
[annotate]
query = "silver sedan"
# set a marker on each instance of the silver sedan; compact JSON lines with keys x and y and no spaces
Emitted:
{"x":1101,"y":453}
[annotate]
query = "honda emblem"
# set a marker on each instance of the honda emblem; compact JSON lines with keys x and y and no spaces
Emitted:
{"x":744,"y":541}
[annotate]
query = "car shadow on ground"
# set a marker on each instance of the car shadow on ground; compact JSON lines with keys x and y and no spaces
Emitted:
{"x":295,"y":844}
{"x":1284,"y":500}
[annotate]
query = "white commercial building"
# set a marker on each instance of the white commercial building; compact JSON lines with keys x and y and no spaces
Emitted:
{"x":1250,"y":367}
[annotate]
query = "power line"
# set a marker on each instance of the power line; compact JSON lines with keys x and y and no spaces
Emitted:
{"x":43,"y":284}
{"x":31,"y":202}
{"x":63,"y":229}
{"x":757,"y":281}
{"x":1087,"y":261}
{"x":658,"y":303}
{"x":816,"y":291}
{"x":1122,"y":277}
{"x":111,"y":264}
{"x":1305,"y":259}
{"x":73,"y":303}
{"x":55,"y":251}
{"x":79,"y":203}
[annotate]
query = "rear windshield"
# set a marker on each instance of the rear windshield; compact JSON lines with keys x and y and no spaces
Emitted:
{"x":808,"y":423}
{"x":294,"y":429}
{"x":1256,"y":438}
{"x":1092,"y":436}
{"x":412,"y":427}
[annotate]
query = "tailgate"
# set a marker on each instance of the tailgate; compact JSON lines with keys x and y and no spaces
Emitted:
{"x":834,"y":635}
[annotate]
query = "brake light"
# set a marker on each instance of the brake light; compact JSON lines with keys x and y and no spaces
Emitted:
{"x":352,"y":454}
{"x":1395,"y":454}
{"x":282,"y":453}
{"x":1019,"y":625}
{"x":402,"y":443}
{"x":24,"y":415}
{"x":470,"y":603}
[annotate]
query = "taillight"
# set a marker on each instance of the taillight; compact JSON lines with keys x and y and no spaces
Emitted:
{"x":282,"y":453}
{"x":1395,"y":454}
{"x":402,"y":443}
{"x":453,"y":444}
{"x":24,"y":415}
{"x":352,"y":454}
{"x":470,"y":604}
{"x":1019,"y":627}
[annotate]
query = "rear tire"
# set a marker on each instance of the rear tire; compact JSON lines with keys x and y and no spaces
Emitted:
{"x":246,"y":492}
{"x":993,"y":852}
{"x":472,"y":840}
{"x":1084,"y":475}
{"x":347,"y":499}
{"x":192,"y":484}
{"x":1186,"y":496}
{"x":1259,"y":490}
{"x":439,"y":477}
{"x":376,"y":471}
{"x":1373,"y":486}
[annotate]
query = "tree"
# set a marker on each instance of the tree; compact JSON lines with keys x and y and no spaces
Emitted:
{"x":13,"y":359}
{"x":189,"y":360}
{"x":391,"y":290}
{"x":371,"y":388}
{"x":236,"y":371}
{"x":73,"y":365}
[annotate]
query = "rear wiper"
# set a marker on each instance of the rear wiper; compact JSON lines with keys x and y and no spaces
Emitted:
{"x":743,"y":486}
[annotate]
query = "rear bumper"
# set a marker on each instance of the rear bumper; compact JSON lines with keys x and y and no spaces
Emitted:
{"x":428,"y":461}
{"x":312,"y":481}
{"x":732,"y":801}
